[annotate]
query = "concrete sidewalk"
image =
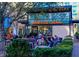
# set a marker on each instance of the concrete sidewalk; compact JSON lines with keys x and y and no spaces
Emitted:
{"x":2,"y":48}
{"x":75,"y":51}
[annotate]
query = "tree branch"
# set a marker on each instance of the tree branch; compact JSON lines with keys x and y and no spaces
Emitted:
{"x":21,"y":16}
{"x":3,"y":9}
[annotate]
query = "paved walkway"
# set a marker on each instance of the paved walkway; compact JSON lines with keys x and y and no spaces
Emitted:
{"x":2,"y":48}
{"x":75,"y":52}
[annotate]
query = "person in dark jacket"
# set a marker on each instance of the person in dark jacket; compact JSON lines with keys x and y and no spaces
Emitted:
{"x":56,"y":38}
{"x":50,"y":40}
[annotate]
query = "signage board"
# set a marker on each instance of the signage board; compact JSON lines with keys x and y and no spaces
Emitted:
{"x":54,"y":16}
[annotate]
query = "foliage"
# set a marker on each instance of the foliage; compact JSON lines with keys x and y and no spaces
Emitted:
{"x":62,"y":50}
{"x":32,"y":34}
{"x":67,"y":41}
{"x":18,"y":48}
{"x":77,"y":35}
{"x":18,"y":10}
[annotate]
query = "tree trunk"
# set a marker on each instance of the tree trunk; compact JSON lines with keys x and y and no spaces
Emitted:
{"x":1,"y":32}
{"x":1,"y":29}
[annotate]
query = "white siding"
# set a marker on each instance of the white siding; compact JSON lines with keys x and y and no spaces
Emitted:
{"x":61,"y":31}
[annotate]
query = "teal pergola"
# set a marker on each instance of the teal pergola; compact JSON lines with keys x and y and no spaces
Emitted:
{"x":40,"y":13}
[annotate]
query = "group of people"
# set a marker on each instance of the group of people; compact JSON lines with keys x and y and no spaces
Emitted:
{"x":10,"y":36}
{"x":47,"y":40}
{"x":40,"y":39}
{"x":53,"y":41}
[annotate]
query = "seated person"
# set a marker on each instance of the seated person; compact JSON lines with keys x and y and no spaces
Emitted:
{"x":56,"y":39}
{"x":60,"y":40}
{"x":51,"y":42}
{"x":9,"y":36}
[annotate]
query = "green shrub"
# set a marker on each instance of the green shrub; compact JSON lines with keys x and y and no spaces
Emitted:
{"x":42,"y":52}
{"x":62,"y":50}
{"x":67,"y":42}
{"x":18,"y":48}
{"x":68,"y":38}
{"x":33,"y":34}
{"x":77,"y":33}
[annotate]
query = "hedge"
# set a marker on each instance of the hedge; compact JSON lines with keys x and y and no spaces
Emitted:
{"x":62,"y":50}
{"x":18,"y":48}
